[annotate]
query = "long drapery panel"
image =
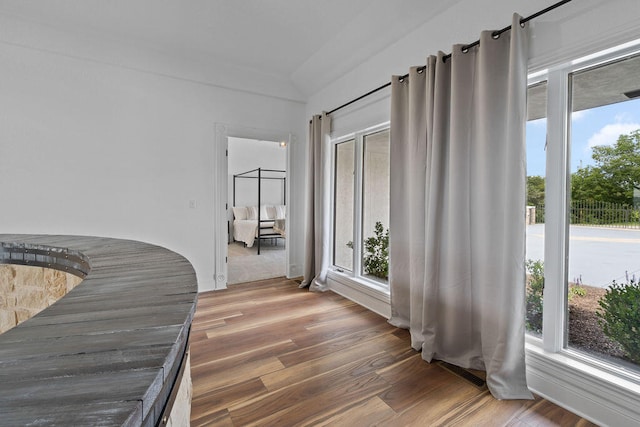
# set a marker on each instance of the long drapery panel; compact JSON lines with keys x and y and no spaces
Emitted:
{"x":457,"y":231}
{"x":316,"y":254}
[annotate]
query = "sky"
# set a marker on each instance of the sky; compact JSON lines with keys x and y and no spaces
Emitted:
{"x":596,"y":126}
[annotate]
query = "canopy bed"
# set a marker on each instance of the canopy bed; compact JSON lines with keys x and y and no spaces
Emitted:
{"x":260,"y":221}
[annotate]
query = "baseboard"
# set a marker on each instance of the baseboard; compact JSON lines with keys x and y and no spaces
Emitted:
{"x":294,"y":271}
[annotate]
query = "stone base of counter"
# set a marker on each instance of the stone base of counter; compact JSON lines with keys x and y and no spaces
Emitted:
{"x":181,"y":412}
{"x":27,"y":290}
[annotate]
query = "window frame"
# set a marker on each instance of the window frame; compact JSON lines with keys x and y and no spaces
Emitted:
{"x":334,"y":151}
{"x":554,"y":341}
{"x":355,"y":274}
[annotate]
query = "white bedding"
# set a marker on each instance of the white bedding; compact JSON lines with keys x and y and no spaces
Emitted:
{"x":245,"y":223}
{"x":246,"y":230}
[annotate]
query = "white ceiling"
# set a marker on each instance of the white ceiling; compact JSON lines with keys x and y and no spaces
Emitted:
{"x":282,"y":38}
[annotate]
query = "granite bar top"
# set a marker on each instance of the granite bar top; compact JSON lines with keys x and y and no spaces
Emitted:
{"x":109,"y":351}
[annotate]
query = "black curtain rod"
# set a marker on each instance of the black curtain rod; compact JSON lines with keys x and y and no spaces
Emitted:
{"x":464,"y":49}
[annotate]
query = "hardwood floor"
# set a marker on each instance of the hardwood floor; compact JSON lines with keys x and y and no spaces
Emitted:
{"x":269,"y":354}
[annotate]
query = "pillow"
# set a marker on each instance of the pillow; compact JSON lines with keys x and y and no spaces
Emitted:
{"x":239,"y":212}
{"x":267,"y":212}
{"x":281,"y":212}
{"x":252,"y":212}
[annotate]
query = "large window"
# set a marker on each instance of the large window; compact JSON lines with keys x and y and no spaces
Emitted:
{"x":375,"y":205}
{"x":583,"y":188}
{"x":536,"y":172}
{"x":361,"y":205}
{"x":343,"y":202}
{"x":604,"y":243}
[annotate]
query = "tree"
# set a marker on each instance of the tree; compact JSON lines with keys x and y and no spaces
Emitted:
{"x":535,"y":190}
{"x":590,"y":184}
{"x":620,"y":162}
{"x":615,"y":174}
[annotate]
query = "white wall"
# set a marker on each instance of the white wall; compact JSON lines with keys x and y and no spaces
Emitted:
{"x":249,"y":154}
{"x":98,"y":143}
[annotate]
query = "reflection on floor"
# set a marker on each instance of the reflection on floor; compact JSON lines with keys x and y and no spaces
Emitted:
{"x":246,"y":266}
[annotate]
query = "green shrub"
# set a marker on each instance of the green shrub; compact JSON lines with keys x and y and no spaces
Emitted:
{"x":577,"y":290}
{"x":376,"y":259}
{"x":535,"y":291}
{"x":619,"y":316}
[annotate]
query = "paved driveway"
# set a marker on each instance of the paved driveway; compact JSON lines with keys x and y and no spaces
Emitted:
{"x":597,"y":255}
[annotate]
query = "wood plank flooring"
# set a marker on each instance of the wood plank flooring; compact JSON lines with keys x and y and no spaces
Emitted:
{"x":269,"y":354}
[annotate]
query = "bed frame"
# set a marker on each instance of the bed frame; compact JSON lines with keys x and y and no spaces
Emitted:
{"x":257,"y":174}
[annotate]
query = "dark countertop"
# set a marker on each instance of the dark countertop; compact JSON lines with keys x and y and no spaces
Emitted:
{"x":109,"y":351}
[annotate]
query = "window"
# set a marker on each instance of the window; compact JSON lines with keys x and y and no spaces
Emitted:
{"x":536,"y":171}
{"x":604,"y":245}
{"x":583,"y":183}
{"x":375,"y":206}
{"x":361,"y":205}
{"x":343,"y":212}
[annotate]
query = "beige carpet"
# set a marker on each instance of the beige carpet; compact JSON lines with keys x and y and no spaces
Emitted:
{"x":245,"y":265}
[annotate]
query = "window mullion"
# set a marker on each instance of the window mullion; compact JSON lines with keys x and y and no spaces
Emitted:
{"x":357,"y":211}
{"x":332,"y":186}
{"x":556,"y":217}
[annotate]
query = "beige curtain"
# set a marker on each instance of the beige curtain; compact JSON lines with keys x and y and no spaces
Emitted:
{"x":316,"y":254}
{"x":457,"y":232}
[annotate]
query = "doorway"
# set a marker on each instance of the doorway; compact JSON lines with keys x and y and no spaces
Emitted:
{"x":257,"y":216}
{"x":235,"y":141}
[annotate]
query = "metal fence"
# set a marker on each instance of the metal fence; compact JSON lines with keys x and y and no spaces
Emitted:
{"x":603,"y":214}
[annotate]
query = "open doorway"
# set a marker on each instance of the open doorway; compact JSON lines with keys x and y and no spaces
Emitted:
{"x":257,"y":197}
{"x":223,"y":206}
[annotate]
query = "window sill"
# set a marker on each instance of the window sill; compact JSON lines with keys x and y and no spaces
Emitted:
{"x":593,"y":393}
{"x":369,"y":294}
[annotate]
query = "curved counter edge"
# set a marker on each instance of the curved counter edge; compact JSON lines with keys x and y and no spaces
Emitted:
{"x":108,"y":352}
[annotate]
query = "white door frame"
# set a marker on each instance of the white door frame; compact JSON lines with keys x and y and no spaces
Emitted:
{"x":221,"y":189}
